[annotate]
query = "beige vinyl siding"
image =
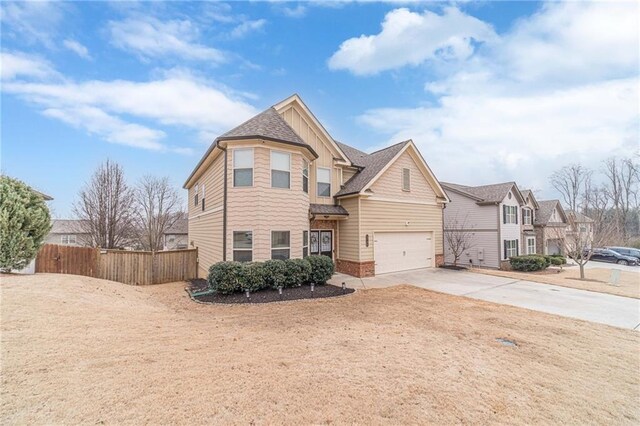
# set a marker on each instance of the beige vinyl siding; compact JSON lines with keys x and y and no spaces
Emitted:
{"x":262,"y":209}
{"x":389,"y":185}
{"x":312,"y":135}
{"x":348,"y":231}
{"x":347,"y":173}
{"x":378,"y":216}
{"x":205,"y":228}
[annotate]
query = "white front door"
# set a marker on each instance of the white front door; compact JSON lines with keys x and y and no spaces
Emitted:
{"x":400,"y":251}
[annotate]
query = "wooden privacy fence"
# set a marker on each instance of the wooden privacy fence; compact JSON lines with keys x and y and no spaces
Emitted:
{"x":129,"y":267}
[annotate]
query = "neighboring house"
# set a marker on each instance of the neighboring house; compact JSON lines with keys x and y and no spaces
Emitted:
{"x":279,"y":186}
{"x":492,"y":214}
{"x":67,"y":232}
{"x":580,"y":230}
{"x":529,"y":209}
{"x":551,"y":226}
{"x":175,"y":238}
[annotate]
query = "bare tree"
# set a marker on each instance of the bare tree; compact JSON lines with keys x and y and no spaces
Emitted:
{"x":105,"y":207}
{"x":580,"y":238}
{"x":570,"y":181}
{"x":157,"y":209}
{"x":458,"y":236}
{"x":622,"y":182}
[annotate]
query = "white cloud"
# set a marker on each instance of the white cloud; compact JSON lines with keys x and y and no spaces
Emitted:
{"x":107,"y":108}
{"x":110,"y":128}
{"x":151,"y":38}
{"x":32,"y":21}
{"x":77,"y":48}
{"x":18,"y":64}
{"x":410,"y":38}
{"x":247,"y":27}
{"x":550,"y":91}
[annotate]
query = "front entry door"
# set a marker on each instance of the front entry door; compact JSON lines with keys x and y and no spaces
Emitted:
{"x":322,"y":243}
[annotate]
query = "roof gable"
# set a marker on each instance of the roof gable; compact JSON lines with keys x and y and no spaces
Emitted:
{"x":295,"y":102}
{"x":527,"y":194}
{"x":544,"y":213}
{"x":374,"y":165}
{"x":487,"y":194}
{"x":268,"y":124}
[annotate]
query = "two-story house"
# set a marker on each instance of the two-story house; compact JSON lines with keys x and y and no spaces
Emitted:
{"x":545,"y":227}
{"x":580,"y":231}
{"x":490,"y":215}
{"x":279,"y":186}
{"x":68,"y":232}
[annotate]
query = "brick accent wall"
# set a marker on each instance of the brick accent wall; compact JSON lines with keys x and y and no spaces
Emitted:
{"x":323,"y":224}
{"x":505,"y":265}
{"x":439,"y":260}
{"x":356,"y":269}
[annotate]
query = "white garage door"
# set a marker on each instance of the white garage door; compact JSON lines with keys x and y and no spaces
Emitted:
{"x":400,"y":251}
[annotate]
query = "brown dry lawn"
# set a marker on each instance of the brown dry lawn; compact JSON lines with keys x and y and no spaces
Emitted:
{"x":83,"y":350}
{"x":597,"y":279}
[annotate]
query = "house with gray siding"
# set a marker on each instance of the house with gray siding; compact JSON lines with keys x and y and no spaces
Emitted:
{"x":491,"y":214}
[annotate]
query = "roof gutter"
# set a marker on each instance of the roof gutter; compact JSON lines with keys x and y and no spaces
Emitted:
{"x":224,"y":203}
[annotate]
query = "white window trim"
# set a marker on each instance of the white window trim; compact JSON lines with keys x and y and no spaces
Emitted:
{"x":305,"y":161}
{"x":271,"y":169}
{"x":308,"y":238}
{"x":512,"y":212}
{"x":514,"y":248}
{"x":530,"y":216}
{"x":278,"y":248}
{"x":317,"y":182}
{"x":534,"y":245}
{"x":233,"y":167}
{"x":242,"y":249}
{"x":66,"y":239}
{"x":408,"y":189}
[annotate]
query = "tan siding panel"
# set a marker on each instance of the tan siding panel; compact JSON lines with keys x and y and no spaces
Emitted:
{"x":390,"y":183}
{"x":376,"y":216}
{"x":348,"y":231}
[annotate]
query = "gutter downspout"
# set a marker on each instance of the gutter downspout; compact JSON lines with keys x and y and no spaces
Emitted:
{"x":224,"y":205}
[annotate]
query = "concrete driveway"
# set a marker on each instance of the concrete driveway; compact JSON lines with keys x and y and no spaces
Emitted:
{"x":602,"y":308}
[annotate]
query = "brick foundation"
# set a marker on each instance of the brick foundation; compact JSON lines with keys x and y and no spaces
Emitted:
{"x":439,"y":260}
{"x":357,"y":269}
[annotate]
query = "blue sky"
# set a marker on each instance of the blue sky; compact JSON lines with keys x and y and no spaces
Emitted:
{"x":489,"y":91}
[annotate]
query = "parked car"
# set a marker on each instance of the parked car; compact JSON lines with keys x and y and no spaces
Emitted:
{"x":606,"y":255}
{"x":627,"y":251}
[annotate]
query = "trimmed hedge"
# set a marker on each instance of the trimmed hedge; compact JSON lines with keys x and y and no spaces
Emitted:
{"x":235,"y":277}
{"x":556,"y":259}
{"x":528,"y":263}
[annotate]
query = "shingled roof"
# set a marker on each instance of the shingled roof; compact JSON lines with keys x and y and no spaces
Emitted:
{"x":579,"y":217}
{"x":543,"y":214}
{"x":327,"y":209}
{"x":268,"y":124}
{"x":371,"y":165}
{"x":488,"y":194}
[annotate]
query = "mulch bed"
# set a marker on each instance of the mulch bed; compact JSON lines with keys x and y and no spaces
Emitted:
{"x":455,"y":268}
{"x":269,"y":295}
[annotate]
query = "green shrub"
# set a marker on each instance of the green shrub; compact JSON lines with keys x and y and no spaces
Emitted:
{"x":24,"y":223}
{"x":226,"y":277}
{"x":253,"y":277}
{"x":557,"y":260}
{"x":275,"y":272}
{"x":322,"y":269}
{"x":528,"y":263}
{"x":298,"y":272}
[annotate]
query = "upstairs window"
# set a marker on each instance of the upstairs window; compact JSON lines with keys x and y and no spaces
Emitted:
{"x":324,"y":182}
{"x":526,"y":217}
{"x":196,"y":192}
{"x":280,"y":170}
{"x":510,"y":214}
{"x":305,"y":176}
{"x":68,"y":239}
{"x":406,"y":179}
{"x":203,"y":195}
{"x":243,"y":167}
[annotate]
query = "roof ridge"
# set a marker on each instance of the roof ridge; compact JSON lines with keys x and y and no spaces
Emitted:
{"x":390,"y":146}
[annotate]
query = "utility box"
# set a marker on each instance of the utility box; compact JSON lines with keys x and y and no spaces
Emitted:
{"x":480,"y":254}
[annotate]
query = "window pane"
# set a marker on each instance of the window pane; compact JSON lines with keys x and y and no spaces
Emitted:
{"x":305,"y":168}
{"x":243,"y":158}
{"x":243,"y":177}
{"x":324,"y":189}
{"x":324,"y":175}
{"x":305,"y":252}
{"x":242,"y":256}
{"x":305,"y":238}
{"x":279,"y":179}
{"x":242,"y":239}
{"x":280,"y":161}
{"x":281,"y":254}
{"x":406,"y":179}
{"x":279,"y":239}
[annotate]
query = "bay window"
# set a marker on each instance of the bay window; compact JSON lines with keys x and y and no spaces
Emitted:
{"x":243,"y":167}
{"x":280,"y":169}
{"x":242,"y":246}
{"x":280,"y":247}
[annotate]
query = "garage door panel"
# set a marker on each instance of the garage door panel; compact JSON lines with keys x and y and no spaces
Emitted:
{"x":399,"y":251}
